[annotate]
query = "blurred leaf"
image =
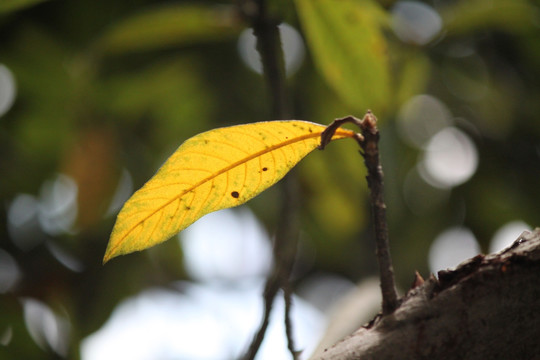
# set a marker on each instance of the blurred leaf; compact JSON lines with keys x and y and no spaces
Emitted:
{"x":7,"y":6}
{"x":169,"y":26}
{"x":338,"y":210}
{"x":218,"y":169}
{"x":281,"y":9}
{"x":414,"y":76}
{"x":349,"y":49}
{"x":91,"y":163}
{"x":511,"y":15}
{"x":339,"y":222}
{"x":42,"y":118}
{"x":170,"y":93}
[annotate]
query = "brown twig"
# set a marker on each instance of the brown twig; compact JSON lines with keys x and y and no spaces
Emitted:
{"x":368,"y":141}
{"x":287,"y":296}
{"x":370,"y":152}
{"x":328,"y":133}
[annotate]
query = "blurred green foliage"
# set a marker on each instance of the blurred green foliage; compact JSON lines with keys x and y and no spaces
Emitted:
{"x":349,"y":49}
{"x":105,"y":88}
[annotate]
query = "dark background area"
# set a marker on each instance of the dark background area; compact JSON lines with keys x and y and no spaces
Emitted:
{"x":104,"y":91}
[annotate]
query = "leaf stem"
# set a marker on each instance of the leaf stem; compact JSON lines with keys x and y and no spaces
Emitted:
{"x":368,"y":141}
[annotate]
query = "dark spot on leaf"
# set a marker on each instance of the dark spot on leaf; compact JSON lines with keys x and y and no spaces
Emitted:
{"x":264,"y":168}
{"x":187,"y":208}
{"x":235,"y":194}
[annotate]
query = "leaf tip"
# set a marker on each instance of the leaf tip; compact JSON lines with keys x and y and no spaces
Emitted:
{"x":108,"y":256}
{"x":111,"y":252}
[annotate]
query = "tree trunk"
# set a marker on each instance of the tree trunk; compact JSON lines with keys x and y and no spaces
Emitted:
{"x":488,"y":308}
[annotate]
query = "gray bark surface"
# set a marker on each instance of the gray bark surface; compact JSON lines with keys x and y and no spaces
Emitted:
{"x":487,"y":308}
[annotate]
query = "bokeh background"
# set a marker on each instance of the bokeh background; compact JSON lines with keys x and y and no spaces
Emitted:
{"x":95,"y":95}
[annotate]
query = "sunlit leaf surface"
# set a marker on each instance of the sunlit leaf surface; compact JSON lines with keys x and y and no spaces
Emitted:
{"x":214,"y":170}
{"x":349,"y":49}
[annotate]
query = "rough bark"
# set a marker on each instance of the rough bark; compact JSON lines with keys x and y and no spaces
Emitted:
{"x":487,"y":308}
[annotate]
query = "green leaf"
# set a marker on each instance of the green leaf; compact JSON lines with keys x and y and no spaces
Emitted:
{"x":169,"y":26}
{"x":349,"y":49}
{"x":218,"y":169}
{"x":510,"y":15}
{"x":164,"y":82}
{"x":413,"y":76}
{"x":7,"y":6}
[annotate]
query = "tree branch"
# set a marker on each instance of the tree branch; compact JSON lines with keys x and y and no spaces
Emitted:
{"x":487,"y":308}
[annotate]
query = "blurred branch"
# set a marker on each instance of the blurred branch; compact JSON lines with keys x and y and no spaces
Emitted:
{"x":265,"y":28}
{"x":285,"y":245}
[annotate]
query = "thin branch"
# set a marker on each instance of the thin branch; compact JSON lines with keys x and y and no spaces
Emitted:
{"x":370,"y":152}
{"x":287,"y":295}
{"x":285,"y":249}
{"x":285,"y":245}
{"x":368,"y":141}
{"x":266,"y":30}
{"x":270,"y":291}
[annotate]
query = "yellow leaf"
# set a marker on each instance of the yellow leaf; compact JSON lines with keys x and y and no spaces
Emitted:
{"x":214,"y":170}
